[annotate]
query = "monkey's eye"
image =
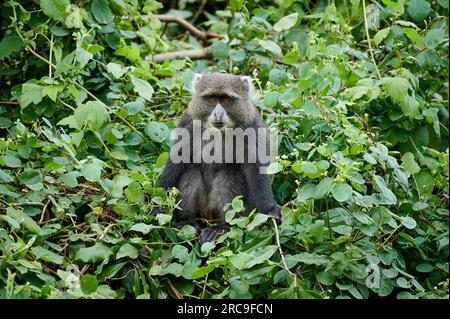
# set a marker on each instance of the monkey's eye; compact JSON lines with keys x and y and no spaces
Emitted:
{"x":212,"y":100}
{"x":226,"y":100}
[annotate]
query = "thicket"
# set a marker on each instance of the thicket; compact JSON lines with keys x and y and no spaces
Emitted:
{"x":357,"y":90}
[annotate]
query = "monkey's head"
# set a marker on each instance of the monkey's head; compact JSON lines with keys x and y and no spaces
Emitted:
{"x":222,"y":100}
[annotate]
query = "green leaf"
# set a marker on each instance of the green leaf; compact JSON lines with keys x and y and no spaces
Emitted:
{"x":425,"y":182}
{"x":203,"y":271}
{"x":92,"y":171}
{"x":408,"y":222}
{"x":116,"y":70}
{"x":403,"y":283}
{"x":410,"y":164}
{"x":93,"y":115}
{"x":380,"y":35}
{"x":31,"y":93}
{"x":238,"y":289}
{"x":127,"y":250}
{"x":219,"y":50}
{"x":343,"y":230}
{"x":325,"y":278}
{"x":141,"y":227}
{"x":129,"y":52}
{"x":101,"y":11}
{"x":70,"y":179}
{"x":55,"y":9}
{"x":11,"y":161}
{"x":342,"y":192}
{"x":308,"y":259}
{"x":285,"y":23}
{"x":133,"y":108}
{"x":88,"y":284}
{"x":271,"y":46}
{"x":24,"y":220}
{"x":418,"y":10}
{"x":159,"y":132}
{"x":142,"y":87}
{"x":278,"y":77}
{"x":274,"y":168}
{"x":425,"y":268}
{"x":433,"y":38}
{"x":322,"y":189}
{"x":9,"y":45}
{"x":163,"y":219}
{"x":47,"y":255}
{"x":30,"y":177}
{"x":415,"y":37}
{"x":96,"y":253}
{"x":258,"y":219}
{"x":306,"y":192}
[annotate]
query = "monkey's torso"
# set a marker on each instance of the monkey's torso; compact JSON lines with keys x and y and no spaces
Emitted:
{"x":206,"y":188}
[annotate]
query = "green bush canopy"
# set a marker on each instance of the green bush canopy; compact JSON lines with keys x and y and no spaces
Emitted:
{"x":358,"y":91}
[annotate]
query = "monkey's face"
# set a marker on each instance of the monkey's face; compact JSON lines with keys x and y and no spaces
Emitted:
{"x":221,"y":100}
{"x":218,"y":117}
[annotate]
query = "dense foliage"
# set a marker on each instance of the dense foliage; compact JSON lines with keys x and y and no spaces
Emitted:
{"x":360,"y":100}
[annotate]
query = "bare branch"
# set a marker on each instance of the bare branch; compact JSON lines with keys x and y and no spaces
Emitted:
{"x":176,"y":55}
{"x":188,"y":26}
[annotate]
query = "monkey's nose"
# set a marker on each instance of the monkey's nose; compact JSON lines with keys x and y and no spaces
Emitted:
{"x":219,"y":116}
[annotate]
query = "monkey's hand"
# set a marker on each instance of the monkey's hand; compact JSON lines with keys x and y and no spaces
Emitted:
{"x":275,"y":212}
{"x":210,"y":233}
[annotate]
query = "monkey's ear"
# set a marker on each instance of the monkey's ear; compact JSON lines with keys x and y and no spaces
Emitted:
{"x":248,"y":87}
{"x":247,"y":83}
{"x":195,"y":81}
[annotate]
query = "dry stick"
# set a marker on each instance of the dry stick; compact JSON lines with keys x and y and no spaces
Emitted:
{"x":43,"y":211}
{"x":188,"y":26}
{"x":174,"y":290}
{"x":176,"y":55}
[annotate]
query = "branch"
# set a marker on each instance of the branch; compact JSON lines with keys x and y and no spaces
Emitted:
{"x":188,"y":26}
{"x":277,"y":236}
{"x":176,"y":55}
{"x":9,"y":103}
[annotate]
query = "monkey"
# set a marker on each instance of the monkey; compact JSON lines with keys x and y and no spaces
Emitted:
{"x":219,"y":102}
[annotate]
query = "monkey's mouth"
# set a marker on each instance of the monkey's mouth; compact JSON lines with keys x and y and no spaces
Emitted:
{"x":218,"y":125}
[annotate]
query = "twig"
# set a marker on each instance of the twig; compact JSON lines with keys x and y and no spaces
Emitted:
{"x":199,"y":11}
{"x":43,"y":211}
{"x":176,"y":55}
{"x":9,"y":103}
{"x":277,"y":236}
{"x":188,"y":26}
{"x":368,"y":40}
{"x":28,"y":204}
{"x":175,"y":291}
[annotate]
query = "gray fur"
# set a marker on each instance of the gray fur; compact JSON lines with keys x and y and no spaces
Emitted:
{"x":206,"y":188}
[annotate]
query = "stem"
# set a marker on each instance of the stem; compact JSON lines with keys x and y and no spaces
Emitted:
{"x":50,"y":57}
{"x":24,"y":42}
{"x":368,"y":39}
{"x":277,"y":236}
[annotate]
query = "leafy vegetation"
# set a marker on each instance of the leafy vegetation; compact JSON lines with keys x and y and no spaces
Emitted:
{"x":358,"y":94}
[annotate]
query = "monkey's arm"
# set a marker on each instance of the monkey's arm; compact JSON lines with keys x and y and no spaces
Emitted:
{"x":260,"y":190}
{"x":173,"y":171}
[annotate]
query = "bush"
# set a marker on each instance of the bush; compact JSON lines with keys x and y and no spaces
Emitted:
{"x":359,"y":98}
